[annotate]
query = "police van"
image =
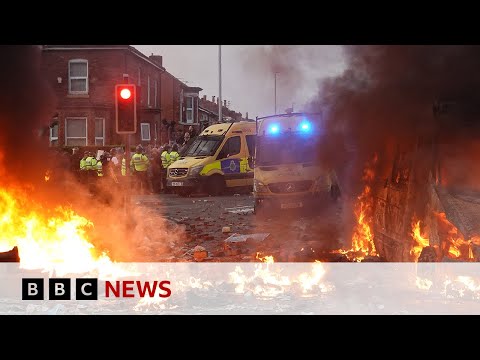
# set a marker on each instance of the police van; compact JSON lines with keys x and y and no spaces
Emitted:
{"x":219,"y":158}
{"x":288,"y":171}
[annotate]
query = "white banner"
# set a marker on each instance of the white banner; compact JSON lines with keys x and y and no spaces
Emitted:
{"x":244,"y":288}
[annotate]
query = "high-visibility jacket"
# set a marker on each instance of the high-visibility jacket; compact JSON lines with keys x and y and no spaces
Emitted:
{"x":83,"y":163}
{"x":99,"y":168}
{"x":173,"y":157}
{"x":124,"y":167}
{"x":165,"y":159}
{"x":139,"y":162}
{"x":91,"y":163}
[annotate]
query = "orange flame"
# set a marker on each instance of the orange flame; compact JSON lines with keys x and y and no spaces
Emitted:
{"x":362,"y":239}
{"x":266,"y":259}
{"x":456,"y":244}
{"x":47,"y":175}
{"x":420,"y":241}
{"x":46,"y":238}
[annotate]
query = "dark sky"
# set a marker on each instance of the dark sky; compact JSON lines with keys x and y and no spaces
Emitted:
{"x":248,"y":72}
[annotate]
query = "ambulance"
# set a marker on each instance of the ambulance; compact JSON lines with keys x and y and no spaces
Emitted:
{"x":220,"y":158}
{"x":288,"y":172}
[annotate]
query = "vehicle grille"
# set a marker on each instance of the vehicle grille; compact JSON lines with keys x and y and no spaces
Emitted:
{"x":290,"y":187}
{"x":177,"y":172}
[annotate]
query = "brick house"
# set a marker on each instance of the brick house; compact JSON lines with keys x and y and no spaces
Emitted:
{"x":83,"y":78}
{"x":209,"y":112}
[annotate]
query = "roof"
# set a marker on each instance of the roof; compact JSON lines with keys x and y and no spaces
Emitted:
{"x":102,"y":47}
{"x":200,"y":108}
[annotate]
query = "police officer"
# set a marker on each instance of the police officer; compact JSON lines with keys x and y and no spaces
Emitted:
{"x":165,"y":157}
{"x":174,"y":155}
{"x":139,"y":164}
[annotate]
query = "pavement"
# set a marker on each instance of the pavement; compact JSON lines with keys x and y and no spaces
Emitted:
{"x":200,"y":226}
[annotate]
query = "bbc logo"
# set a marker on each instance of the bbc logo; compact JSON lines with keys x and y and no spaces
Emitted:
{"x":59,"y":289}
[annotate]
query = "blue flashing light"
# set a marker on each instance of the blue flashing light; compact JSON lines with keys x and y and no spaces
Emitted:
{"x":273,"y":129}
{"x":305,"y":126}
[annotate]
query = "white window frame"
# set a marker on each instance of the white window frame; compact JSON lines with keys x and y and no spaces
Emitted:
{"x":103,"y":131}
{"x":141,"y":132}
{"x":187,"y":108}
{"x":156,"y":93}
{"x":148,"y":91}
{"x":71,"y":137}
{"x":52,"y":138}
{"x":70,"y":78}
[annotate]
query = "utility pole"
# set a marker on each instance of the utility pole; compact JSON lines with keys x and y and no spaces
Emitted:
{"x":220,"y":117}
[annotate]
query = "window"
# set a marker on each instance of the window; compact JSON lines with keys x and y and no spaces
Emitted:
{"x":148,"y":91}
{"x":78,"y":76}
{"x":231,"y":147}
{"x":99,"y":131}
{"x":145,"y":128}
{"x":155,"y":93}
{"x":189,"y":109}
{"x":139,"y":80}
{"x":54,"y":133}
{"x":251,"y":144}
{"x":76,"y":131}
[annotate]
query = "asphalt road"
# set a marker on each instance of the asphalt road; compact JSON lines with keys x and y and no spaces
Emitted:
{"x":199,"y":221}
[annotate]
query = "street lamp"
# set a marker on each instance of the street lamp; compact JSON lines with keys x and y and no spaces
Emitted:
{"x":220,"y":117}
{"x":276,"y":92}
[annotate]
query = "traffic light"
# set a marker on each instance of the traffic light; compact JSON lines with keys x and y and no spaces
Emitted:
{"x":126,"y":108}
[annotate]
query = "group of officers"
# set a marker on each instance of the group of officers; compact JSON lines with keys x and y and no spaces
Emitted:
{"x":148,"y":167}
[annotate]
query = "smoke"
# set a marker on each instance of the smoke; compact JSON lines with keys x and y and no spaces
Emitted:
{"x":385,"y":97}
{"x":26,"y":105}
{"x":298,"y":68}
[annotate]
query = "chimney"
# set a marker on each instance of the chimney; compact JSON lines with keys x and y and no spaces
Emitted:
{"x":246,"y":115}
{"x":213,"y":99}
{"x":205,"y":97}
{"x":157,"y":59}
{"x":218,"y":99}
{"x":225,"y":103}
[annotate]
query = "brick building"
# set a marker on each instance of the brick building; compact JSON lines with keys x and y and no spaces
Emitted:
{"x":84,"y":77}
{"x":209,"y":112}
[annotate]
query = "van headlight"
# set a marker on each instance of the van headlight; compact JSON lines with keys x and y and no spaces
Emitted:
{"x":194,"y":171}
{"x":259,"y":187}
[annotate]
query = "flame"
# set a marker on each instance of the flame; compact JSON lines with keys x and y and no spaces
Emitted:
{"x":266,"y":259}
{"x":420,"y":241}
{"x":47,"y":175}
{"x":362,"y":239}
{"x":47,"y":238}
{"x":268,"y":283}
{"x":456,"y":244}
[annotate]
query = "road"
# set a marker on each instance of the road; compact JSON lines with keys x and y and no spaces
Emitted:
{"x":199,"y":221}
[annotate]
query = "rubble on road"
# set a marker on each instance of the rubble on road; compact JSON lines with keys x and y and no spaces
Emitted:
{"x":199,"y":253}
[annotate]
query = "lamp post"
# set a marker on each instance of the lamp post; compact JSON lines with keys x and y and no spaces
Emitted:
{"x":276,"y":92}
{"x":220,"y":118}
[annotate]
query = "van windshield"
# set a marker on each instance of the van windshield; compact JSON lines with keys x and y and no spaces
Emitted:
{"x":283,"y":150}
{"x":204,"y":145}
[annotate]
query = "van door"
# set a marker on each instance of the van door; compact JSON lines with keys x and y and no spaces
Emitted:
{"x":230,"y":161}
{"x":250,"y":139}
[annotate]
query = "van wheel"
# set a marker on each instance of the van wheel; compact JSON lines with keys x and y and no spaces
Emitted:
{"x":216,"y":185}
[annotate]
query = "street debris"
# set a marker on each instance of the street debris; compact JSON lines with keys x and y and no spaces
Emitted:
{"x":199,"y":253}
{"x":226,"y":229}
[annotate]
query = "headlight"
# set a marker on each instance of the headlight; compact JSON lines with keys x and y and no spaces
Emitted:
{"x":259,"y":187}
{"x":194,"y":171}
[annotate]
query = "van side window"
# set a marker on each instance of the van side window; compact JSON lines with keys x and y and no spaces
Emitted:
{"x":231,"y":147}
{"x":251,"y":144}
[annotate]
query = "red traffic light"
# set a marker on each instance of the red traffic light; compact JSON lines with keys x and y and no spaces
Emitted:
{"x":125,"y":94}
{"x":126,"y":108}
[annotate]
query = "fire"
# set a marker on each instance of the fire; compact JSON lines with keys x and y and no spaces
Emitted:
{"x":47,"y":175}
{"x":456,"y":245}
{"x":420,"y":241}
{"x":46,"y":238}
{"x":266,"y":259}
{"x":362,"y":240}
